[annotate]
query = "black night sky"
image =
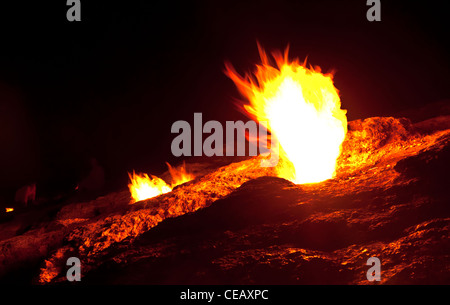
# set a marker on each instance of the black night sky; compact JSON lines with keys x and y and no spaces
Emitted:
{"x":111,"y":85}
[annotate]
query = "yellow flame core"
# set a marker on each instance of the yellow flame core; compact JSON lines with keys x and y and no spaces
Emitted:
{"x":301,"y":108}
{"x":143,"y":187}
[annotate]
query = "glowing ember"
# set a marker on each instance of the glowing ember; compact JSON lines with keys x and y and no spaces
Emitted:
{"x":9,"y":210}
{"x":143,"y":187}
{"x":301,"y":108}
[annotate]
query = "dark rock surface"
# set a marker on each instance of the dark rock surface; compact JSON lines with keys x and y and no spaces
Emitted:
{"x":270,"y":231}
{"x":238,"y":224}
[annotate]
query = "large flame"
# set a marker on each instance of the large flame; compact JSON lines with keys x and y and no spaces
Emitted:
{"x":301,"y":108}
{"x":142,"y":186}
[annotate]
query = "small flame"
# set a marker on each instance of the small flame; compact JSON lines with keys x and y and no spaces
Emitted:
{"x":144,"y":187}
{"x":179,"y":176}
{"x":301,"y":108}
{"x":9,"y":210}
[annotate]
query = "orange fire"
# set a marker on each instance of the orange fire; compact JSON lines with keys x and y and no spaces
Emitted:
{"x":179,"y":175}
{"x":143,"y":187}
{"x":301,"y":109}
{"x":9,"y":210}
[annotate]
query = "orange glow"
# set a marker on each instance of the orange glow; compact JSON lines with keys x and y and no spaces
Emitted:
{"x":301,"y":108}
{"x":9,"y":210}
{"x":179,"y":175}
{"x":144,"y":187}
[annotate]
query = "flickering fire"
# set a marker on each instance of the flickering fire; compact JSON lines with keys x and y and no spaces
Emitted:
{"x":9,"y":210}
{"x":300,"y":107}
{"x":179,"y":175}
{"x":144,"y":187}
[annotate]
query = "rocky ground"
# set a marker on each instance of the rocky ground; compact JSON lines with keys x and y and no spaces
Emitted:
{"x":238,"y":224}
